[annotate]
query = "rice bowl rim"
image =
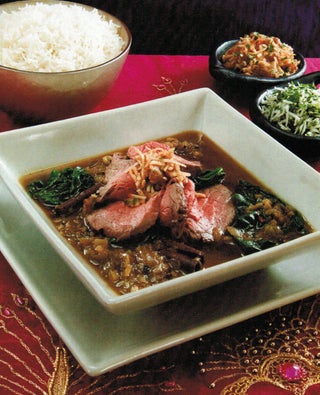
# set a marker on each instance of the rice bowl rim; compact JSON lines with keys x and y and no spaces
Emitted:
{"x":106,"y":15}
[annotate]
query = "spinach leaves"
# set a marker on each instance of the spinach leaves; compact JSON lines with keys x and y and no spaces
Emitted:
{"x":61,"y":186}
{"x":262,"y":220}
{"x":209,"y":178}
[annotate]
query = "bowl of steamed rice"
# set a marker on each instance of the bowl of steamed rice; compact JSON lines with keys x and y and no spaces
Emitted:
{"x":58,"y":59}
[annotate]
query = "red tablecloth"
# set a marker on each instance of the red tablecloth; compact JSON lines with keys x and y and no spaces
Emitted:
{"x":276,"y":353}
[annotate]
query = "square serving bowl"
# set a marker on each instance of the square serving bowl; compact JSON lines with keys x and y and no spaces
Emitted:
{"x":45,"y":146}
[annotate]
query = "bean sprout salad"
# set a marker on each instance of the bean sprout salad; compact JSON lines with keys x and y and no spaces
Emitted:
{"x":294,"y":108}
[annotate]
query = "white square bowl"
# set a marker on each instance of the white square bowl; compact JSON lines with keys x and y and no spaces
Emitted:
{"x":31,"y":149}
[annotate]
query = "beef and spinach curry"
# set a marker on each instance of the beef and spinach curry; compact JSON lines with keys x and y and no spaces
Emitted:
{"x":158,"y":210}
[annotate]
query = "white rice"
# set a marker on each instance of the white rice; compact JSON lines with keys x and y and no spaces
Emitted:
{"x":56,"y":37}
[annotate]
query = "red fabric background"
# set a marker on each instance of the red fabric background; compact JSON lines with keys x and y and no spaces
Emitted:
{"x":27,"y":365}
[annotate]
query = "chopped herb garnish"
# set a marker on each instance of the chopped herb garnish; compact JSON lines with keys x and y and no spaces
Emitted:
{"x":270,"y":47}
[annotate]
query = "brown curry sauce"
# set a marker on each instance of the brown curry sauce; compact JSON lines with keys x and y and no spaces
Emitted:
{"x":136,"y":264}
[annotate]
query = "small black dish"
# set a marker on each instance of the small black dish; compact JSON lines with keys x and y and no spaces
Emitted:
{"x":252,"y":83}
{"x":304,"y":146}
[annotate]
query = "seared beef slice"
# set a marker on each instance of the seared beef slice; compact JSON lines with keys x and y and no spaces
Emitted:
{"x":118,"y":182}
{"x":210,"y":215}
{"x":200,"y":216}
{"x":121,"y":221}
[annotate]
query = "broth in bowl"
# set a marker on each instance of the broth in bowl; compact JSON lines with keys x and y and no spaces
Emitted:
{"x":162,"y":209}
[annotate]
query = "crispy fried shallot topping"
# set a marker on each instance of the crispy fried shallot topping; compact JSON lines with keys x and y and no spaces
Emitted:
{"x":154,"y":168}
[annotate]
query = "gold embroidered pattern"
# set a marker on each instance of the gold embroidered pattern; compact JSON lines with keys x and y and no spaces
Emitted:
{"x":44,"y":375}
{"x":58,"y":383}
{"x":282,"y":350}
{"x":37,"y":364}
{"x":169,"y":87}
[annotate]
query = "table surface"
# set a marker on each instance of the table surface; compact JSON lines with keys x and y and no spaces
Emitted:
{"x":275,"y":353}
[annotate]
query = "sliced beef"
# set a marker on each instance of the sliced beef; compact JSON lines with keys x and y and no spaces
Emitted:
{"x":118,"y":182}
{"x":223,"y":207}
{"x":198,"y":217}
{"x":188,"y":214}
{"x":193,"y":167}
{"x":120,"y":221}
{"x":118,"y":164}
{"x":173,"y":207}
{"x":209,"y":215}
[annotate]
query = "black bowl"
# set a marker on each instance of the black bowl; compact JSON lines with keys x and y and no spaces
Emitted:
{"x":306,"y":147}
{"x":219,"y":72}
